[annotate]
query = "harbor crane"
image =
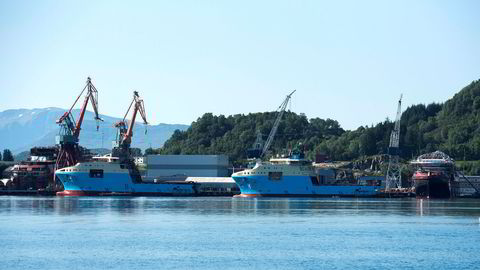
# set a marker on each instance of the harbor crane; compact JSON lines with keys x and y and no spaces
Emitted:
{"x":67,"y":140}
{"x":121,"y":149}
{"x":273,"y":131}
{"x":125,"y":131}
{"x":394,"y":171}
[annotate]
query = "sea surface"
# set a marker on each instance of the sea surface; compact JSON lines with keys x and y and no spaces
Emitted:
{"x":237,"y":233}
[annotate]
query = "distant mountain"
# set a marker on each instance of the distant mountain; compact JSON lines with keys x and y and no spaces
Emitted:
{"x":21,"y":129}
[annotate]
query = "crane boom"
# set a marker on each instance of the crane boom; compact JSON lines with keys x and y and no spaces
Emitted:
{"x":67,"y":121}
{"x":92,"y":95}
{"x":69,"y":152}
{"x":125,"y":134}
{"x":121,"y":148}
{"x":395,"y":135}
{"x":273,"y":131}
{"x":139,"y":107}
{"x":394,"y":170}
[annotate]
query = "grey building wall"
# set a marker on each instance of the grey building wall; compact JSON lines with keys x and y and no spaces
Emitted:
{"x":189,"y":165}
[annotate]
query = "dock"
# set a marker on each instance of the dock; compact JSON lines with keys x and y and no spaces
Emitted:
{"x":201,"y":186}
{"x":466,"y":186}
{"x":27,"y":193}
{"x":397,"y":193}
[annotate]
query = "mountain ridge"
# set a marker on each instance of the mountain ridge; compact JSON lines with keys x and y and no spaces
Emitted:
{"x":21,"y":129}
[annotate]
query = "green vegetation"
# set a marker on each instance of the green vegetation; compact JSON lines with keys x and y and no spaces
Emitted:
{"x":452,"y":127}
{"x":7,"y":155}
{"x":471,"y":167}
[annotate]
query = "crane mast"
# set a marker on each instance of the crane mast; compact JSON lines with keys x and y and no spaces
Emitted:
{"x":67,"y":140}
{"x":121,"y":148}
{"x":139,"y":107}
{"x":395,"y":135}
{"x":273,"y":131}
{"x":125,"y":131}
{"x":394,"y":171}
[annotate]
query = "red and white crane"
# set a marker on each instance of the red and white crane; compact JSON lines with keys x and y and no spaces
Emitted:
{"x":67,"y":140}
{"x":125,"y":131}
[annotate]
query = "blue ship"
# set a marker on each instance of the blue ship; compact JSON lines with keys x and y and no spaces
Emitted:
{"x":108,"y":176}
{"x":294,"y":176}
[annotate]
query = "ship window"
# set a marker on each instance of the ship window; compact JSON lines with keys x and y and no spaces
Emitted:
{"x":275,"y":175}
{"x":96,"y":173}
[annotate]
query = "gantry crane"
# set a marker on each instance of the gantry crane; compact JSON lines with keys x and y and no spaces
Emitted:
{"x":394,"y":171}
{"x":273,"y":131}
{"x":125,"y":132}
{"x":67,"y":140}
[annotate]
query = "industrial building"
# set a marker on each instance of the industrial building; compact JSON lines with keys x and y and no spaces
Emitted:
{"x":187,"y":165}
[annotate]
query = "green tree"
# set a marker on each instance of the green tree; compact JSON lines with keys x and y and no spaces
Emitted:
{"x":7,"y":155}
{"x":451,"y":127}
{"x":149,"y":151}
{"x":136,"y":152}
{"x":368,"y":143}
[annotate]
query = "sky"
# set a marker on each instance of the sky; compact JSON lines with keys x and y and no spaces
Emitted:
{"x":348,"y":60}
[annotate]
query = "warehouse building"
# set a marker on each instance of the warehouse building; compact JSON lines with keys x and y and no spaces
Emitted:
{"x":187,"y":165}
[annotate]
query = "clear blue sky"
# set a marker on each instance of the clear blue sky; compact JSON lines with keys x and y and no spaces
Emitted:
{"x":348,"y":60}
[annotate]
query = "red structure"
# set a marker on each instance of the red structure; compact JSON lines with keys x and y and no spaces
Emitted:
{"x":67,"y":141}
{"x":124,"y":136}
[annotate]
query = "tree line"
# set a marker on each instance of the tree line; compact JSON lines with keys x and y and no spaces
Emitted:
{"x":7,"y":155}
{"x":451,"y":127}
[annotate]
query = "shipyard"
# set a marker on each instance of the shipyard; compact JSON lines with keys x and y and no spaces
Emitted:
{"x":68,"y":169}
{"x":239,"y":134}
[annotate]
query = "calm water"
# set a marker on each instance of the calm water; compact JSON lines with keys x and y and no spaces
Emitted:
{"x":234,"y":233}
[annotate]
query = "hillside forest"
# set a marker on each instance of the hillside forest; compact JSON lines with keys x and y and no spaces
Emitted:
{"x":451,"y":127}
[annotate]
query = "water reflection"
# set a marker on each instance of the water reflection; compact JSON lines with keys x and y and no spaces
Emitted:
{"x":236,"y":206}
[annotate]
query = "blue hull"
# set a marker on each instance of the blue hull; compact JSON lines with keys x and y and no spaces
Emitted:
{"x":259,"y":185}
{"x":79,"y":183}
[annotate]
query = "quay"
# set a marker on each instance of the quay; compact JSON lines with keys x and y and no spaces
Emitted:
{"x":200,"y":186}
{"x":27,"y":193}
{"x":397,"y":193}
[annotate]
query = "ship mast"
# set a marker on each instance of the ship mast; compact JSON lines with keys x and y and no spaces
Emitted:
{"x":394,"y":171}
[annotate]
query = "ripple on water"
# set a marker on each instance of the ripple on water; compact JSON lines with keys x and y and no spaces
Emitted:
{"x":236,"y":233}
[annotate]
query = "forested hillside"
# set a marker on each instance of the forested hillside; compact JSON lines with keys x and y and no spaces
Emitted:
{"x":452,"y":127}
{"x":233,"y":135}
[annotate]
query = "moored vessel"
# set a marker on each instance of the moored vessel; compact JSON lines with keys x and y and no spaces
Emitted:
{"x":36,"y":173}
{"x":296,"y":177}
{"x":434,"y":175}
{"x":109,"y":176}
